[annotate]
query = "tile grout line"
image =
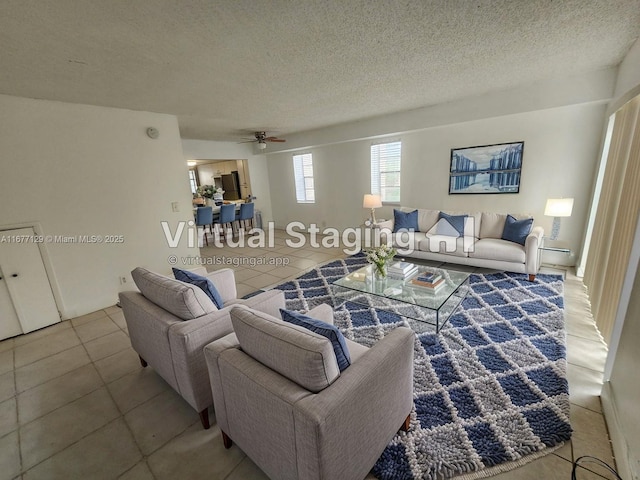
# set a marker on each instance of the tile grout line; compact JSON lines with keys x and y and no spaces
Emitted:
{"x":18,"y":428}
{"x":144,"y":457}
{"x":104,"y":385}
{"x":119,"y":417}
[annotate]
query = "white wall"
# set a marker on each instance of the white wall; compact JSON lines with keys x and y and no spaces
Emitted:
{"x":628,"y":71}
{"x":622,"y":392}
{"x":257,"y":163}
{"x":77,"y":169}
{"x":206,"y":173}
{"x":560,"y":151}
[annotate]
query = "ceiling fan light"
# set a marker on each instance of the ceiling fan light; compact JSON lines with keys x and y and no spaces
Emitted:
{"x":262,"y":145}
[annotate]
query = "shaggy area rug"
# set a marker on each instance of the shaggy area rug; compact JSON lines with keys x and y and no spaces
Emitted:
{"x":490,"y":390}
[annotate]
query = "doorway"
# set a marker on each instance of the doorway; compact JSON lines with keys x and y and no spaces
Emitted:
{"x":231,"y":175}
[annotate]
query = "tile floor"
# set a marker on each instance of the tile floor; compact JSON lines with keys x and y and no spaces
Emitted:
{"x":75,"y":403}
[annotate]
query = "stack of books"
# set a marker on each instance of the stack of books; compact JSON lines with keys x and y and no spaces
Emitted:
{"x":429,"y":281}
{"x":401,"y":270}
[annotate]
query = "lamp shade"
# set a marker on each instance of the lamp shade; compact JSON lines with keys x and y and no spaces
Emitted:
{"x":558,"y":207}
{"x":371,"y":201}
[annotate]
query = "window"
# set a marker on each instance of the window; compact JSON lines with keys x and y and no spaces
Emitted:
{"x":385,"y":171}
{"x":303,"y":171}
{"x":193,"y":180}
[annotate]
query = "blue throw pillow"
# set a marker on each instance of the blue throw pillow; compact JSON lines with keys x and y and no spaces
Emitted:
{"x":516,"y":230}
{"x":405,"y":221}
{"x":456,"y":221}
{"x":326,"y":330}
{"x":204,"y":283}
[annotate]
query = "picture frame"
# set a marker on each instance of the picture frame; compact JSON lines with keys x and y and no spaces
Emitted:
{"x":486,"y":169}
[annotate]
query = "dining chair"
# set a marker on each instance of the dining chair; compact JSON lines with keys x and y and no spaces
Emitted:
{"x":245,"y":216}
{"x":204,"y":217}
{"x":226,"y":219}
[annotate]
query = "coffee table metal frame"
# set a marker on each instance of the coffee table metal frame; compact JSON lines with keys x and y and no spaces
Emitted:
{"x":400,"y":296}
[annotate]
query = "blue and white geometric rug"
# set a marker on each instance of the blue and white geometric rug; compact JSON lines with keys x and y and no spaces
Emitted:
{"x":490,"y":390}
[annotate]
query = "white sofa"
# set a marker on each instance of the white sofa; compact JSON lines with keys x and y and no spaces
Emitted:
{"x":480,"y":246}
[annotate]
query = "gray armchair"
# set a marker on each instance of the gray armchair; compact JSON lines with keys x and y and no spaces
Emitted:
{"x":279,"y":395}
{"x":170,"y":322}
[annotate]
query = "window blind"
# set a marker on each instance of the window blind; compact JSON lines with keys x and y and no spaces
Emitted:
{"x":385,"y":171}
{"x":303,"y":176}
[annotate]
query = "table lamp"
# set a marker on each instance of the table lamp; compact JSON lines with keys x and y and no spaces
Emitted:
{"x":556,"y":208}
{"x":372,"y":201}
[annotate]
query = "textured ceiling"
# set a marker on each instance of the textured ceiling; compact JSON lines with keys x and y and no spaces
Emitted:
{"x":230,"y":67}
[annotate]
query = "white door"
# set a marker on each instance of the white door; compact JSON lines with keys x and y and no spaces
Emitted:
{"x":27,"y":282}
{"x":9,"y":323}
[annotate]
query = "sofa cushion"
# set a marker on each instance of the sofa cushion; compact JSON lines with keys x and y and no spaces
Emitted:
{"x":456,"y":221}
{"x":499,"y":250}
{"x":302,"y":356}
{"x":516,"y":230}
{"x":492,"y":225}
{"x":405,"y":220}
{"x":446,"y":244}
{"x":326,"y":330}
{"x":427,"y":219}
{"x":204,"y":283}
{"x":183,"y":300}
{"x":407,"y":241}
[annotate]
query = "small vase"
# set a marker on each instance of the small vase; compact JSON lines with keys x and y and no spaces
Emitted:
{"x":380,"y":271}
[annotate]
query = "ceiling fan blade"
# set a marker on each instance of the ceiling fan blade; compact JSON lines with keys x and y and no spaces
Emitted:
{"x":275,"y":139}
{"x":248,"y":141}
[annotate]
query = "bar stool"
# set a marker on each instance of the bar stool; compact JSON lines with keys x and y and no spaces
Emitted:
{"x":227,"y":217}
{"x":245,"y":216}
{"x":204,"y":217}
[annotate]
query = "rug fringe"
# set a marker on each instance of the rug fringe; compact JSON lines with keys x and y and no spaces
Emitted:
{"x":507,"y":467}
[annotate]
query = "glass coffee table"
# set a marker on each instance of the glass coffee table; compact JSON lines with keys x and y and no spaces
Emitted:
{"x":404,"y":297}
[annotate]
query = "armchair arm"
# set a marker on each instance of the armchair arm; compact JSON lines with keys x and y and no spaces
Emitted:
{"x":532,"y":253}
{"x":322,"y":312}
{"x":212,"y":353}
{"x":225,"y":282}
{"x":187,"y":339}
{"x":269,"y":302}
{"x":354,"y":419}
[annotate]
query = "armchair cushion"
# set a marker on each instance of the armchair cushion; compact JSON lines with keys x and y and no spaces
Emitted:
{"x":204,"y":283}
{"x":296,"y":353}
{"x":183,"y":300}
{"x":326,"y":330}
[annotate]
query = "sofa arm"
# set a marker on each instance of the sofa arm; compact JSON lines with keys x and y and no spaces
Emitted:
{"x":532,"y":253}
{"x":386,"y":224}
{"x":187,"y":340}
{"x":355,"y":418}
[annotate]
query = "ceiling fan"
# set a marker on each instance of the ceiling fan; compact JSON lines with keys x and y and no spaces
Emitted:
{"x":262,"y":139}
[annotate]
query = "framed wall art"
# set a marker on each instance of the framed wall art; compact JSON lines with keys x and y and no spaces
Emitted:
{"x":486,"y":169}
